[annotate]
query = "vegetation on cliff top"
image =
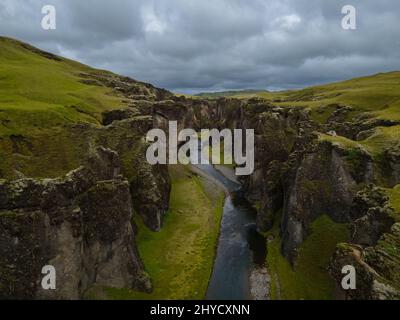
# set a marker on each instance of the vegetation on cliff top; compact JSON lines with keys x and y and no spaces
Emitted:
{"x":378,"y":96}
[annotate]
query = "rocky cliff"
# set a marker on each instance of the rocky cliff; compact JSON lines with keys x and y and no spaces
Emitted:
{"x":308,"y":163}
{"x":80,"y":223}
{"x":306,"y":169}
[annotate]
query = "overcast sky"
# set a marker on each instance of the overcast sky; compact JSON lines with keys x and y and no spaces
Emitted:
{"x":199,"y":45}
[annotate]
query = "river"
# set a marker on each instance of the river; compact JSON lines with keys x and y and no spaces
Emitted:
{"x":240,"y":249}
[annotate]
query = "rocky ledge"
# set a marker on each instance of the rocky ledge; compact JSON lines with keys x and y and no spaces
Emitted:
{"x":80,"y":223}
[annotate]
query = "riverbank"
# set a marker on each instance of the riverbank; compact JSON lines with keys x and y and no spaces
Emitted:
{"x":179,"y":258}
{"x":308,"y":279}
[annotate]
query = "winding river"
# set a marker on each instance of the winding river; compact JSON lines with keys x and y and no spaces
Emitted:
{"x":240,"y":248}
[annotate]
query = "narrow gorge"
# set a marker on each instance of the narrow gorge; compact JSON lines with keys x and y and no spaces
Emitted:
{"x":77,"y":195}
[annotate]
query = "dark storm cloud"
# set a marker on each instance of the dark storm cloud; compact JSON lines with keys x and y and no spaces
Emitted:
{"x":193,"y":45}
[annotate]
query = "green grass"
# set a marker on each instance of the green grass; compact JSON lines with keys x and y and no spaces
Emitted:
{"x":378,"y":95}
{"x":340,"y":141}
{"x":40,"y":97}
{"x":394,"y":198}
{"x":383,"y":138}
{"x":309,"y":279}
{"x":180,"y":257}
{"x":37,"y":92}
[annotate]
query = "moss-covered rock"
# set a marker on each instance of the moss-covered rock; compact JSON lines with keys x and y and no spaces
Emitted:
{"x":79,"y":223}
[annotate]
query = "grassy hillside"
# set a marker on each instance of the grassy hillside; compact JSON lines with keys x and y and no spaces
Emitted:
{"x":379,"y":94}
{"x":41,"y":96}
{"x":39,"y":91}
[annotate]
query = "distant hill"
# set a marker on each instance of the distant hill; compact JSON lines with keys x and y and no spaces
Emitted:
{"x":232,"y":93}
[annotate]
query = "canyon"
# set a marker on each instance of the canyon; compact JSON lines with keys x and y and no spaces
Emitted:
{"x":75,"y":211}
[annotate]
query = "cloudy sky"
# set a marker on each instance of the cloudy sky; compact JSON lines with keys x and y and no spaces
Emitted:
{"x":198,"y":45}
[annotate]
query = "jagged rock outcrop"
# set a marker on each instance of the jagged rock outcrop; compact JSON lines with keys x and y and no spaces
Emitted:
{"x":150,"y":185}
{"x":373,"y":248}
{"x":371,"y":216}
{"x":377,"y":267}
{"x":79,"y":223}
{"x":127,"y":87}
{"x":359,"y":127}
{"x":119,"y":114}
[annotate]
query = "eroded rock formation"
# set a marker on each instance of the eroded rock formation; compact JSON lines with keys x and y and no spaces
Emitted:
{"x":80,"y":223}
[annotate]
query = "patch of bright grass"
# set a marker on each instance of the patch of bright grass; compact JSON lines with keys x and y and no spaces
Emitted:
{"x":309,"y":279}
{"x":340,"y":141}
{"x":37,"y":92}
{"x":383,"y":138}
{"x":394,"y":198}
{"x":180,"y":257}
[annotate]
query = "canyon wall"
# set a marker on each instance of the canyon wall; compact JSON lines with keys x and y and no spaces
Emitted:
{"x":79,"y":223}
{"x":82,"y":222}
{"x":302,"y":171}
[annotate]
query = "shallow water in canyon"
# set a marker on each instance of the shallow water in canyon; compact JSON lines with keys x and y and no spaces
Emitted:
{"x":240,"y":247}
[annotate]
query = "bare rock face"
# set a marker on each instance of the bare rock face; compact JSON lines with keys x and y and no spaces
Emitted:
{"x":319,"y":183}
{"x":80,"y":224}
{"x":150,"y":185}
{"x":118,"y":115}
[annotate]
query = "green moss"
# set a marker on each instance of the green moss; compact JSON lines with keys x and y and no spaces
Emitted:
{"x":340,"y":141}
{"x":180,"y":257}
{"x":382,"y":139}
{"x":309,"y":278}
{"x":394,"y":199}
{"x":355,"y":160}
{"x":322,"y":113}
{"x":257,"y":205}
{"x":8,"y":214}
